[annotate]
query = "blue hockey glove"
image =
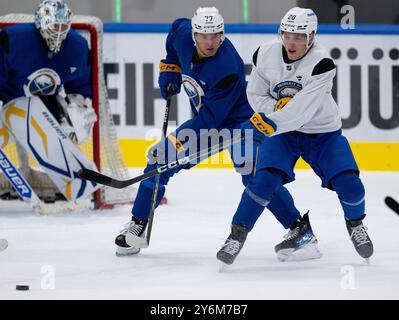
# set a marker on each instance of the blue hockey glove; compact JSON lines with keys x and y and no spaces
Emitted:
{"x":169,"y":74}
{"x":260,"y":125}
{"x":165,"y":151}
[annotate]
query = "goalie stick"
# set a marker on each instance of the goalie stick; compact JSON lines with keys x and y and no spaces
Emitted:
{"x":392,"y":204}
{"x":100,"y":178}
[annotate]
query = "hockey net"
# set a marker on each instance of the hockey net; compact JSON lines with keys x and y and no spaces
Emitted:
{"x":103,"y":147}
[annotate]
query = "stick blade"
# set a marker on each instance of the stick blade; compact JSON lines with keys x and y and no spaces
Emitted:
{"x":392,"y":204}
{"x":94,"y":176}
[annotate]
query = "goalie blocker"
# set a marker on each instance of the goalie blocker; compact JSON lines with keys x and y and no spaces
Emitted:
{"x":29,"y":121}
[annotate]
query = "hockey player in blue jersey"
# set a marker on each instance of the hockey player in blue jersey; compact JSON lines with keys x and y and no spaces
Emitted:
{"x":48,"y":62}
{"x":290,"y":89}
{"x":200,"y":57}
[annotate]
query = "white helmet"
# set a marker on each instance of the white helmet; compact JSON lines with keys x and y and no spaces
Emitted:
{"x":299,"y":20}
{"x":207,"y":20}
{"x":53,"y":19}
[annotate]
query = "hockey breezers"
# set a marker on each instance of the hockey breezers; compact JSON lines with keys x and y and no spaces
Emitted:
{"x":97,"y":177}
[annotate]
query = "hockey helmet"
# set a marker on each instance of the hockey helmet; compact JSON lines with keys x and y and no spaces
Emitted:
{"x":53,"y":19}
{"x":207,"y":20}
{"x":300,"y":20}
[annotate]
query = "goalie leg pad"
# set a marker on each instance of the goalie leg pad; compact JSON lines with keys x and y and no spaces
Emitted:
{"x":34,"y":127}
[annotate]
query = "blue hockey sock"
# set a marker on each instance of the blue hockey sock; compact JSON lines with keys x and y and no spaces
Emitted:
{"x":256,"y":196}
{"x":283,"y":208}
{"x":141,"y":206}
{"x":351,"y":194}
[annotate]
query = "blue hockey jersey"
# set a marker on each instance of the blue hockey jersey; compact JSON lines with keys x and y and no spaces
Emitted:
{"x":216,"y":87}
{"x":28,"y":68}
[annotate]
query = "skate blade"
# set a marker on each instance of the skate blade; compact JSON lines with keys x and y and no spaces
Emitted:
{"x":3,"y":244}
{"x":135,"y":241}
{"x":223,"y":267}
{"x":125,"y":252}
{"x":308,"y":252}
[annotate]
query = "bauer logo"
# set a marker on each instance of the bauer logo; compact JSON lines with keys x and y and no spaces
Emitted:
{"x":13,"y":175}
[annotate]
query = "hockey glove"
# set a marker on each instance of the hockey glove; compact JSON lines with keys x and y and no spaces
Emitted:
{"x":169,"y":74}
{"x":260,"y":126}
{"x":281,"y":103}
{"x":165,"y":151}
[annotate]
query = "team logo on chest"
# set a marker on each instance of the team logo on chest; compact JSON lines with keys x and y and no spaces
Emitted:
{"x":42,"y":82}
{"x":287,"y":89}
{"x":193,"y":90}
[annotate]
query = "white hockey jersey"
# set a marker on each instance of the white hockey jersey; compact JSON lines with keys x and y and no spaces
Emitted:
{"x":308,"y":80}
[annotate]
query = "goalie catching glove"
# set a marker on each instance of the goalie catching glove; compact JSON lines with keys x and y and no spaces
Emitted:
{"x":79,"y":117}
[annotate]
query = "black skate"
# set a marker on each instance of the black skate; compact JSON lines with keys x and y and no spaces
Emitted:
{"x":360,"y":238}
{"x":136,"y":227}
{"x":233,"y":244}
{"x":299,"y":243}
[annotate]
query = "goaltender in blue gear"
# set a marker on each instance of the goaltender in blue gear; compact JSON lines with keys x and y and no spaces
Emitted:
{"x":201,"y":58}
{"x":38,"y":58}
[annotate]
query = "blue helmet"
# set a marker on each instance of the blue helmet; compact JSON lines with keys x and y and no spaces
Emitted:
{"x":53,"y":19}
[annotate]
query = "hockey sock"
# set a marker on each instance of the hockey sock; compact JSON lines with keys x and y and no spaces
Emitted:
{"x":283,"y":208}
{"x":141,"y":206}
{"x":256,"y":197}
{"x":351,"y":194}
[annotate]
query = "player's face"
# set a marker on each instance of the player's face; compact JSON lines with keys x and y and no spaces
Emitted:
{"x":207,"y":44}
{"x":294,"y":44}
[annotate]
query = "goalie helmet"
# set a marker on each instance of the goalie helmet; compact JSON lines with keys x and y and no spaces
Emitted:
{"x":300,"y":20}
{"x":207,"y":20}
{"x":53,"y":19}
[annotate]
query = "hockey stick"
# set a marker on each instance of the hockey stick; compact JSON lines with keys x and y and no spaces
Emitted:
{"x":100,"y":178}
{"x":392,"y":204}
{"x":3,"y":244}
{"x":22,"y":187}
{"x":130,"y":238}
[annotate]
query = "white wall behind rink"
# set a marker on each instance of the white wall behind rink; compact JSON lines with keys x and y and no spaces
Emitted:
{"x":354,"y":65}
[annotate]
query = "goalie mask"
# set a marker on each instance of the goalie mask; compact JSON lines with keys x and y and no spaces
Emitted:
{"x":53,"y":19}
{"x":207,"y":20}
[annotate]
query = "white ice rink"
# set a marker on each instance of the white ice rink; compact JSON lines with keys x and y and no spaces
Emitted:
{"x":72,"y":256}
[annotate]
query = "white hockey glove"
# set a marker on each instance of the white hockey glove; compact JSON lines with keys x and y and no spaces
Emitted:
{"x":81,"y":117}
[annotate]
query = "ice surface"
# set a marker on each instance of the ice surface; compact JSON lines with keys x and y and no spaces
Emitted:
{"x":72,"y":256}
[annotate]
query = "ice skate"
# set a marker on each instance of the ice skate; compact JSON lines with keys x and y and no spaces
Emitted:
{"x":136,"y":227}
{"x":233,"y":245}
{"x":360,"y":238}
{"x":299,"y":243}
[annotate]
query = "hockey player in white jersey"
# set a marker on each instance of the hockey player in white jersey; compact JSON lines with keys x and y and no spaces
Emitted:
{"x":46,"y":90}
{"x":296,"y":116}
